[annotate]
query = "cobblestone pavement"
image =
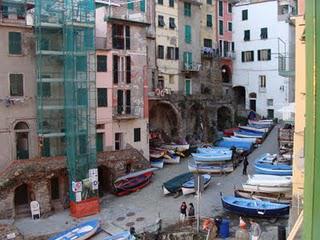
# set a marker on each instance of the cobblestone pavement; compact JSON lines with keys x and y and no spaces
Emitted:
{"x":142,"y":209}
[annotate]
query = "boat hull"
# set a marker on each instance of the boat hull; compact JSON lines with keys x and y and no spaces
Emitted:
{"x":125,"y":235}
{"x":134,"y":184}
{"x":273,"y":171}
{"x":247,"y":146}
{"x":177,"y":147}
{"x":157,"y":163}
{"x":272,"y":197}
{"x":189,"y":188}
{"x":174,"y":185}
{"x":222,"y":168}
{"x":253,"y":129}
{"x":255,"y":208}
{"x":208,"y":157}
{"x":171,"y":159}
{"x":266,"y":189}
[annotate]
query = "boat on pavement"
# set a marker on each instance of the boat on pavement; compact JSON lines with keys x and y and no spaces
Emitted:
{"x":174,"y":185}
{"x":253,"y":129}
{"x":80,"y":232}
{"x":248,"y":134}
{"x":125,"y":235}
{"x":171,"y":158}
{"x":213,"y":150}
{"x":157,"y":162}
{"x":178,"y":147}
{"x":188,"y":187}
{"x":203,"y":168}
{"x":233,"y":138}
{"x":133,"y":182}
{"x":211,"y":157}
{"x":268,"y":183}
{"x":247,"y":146}
{"x":278,"y":170}
{"x":272,"y":197}
{"x":254,"y":208}
{"x":157,"y":152}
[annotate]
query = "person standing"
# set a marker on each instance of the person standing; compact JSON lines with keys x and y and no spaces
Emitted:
{"x":245,"y":165}
{"x":183,"y":211}
{"x":191,"y":213}
{"x":242,"y":233}
{"x":255,"y":230}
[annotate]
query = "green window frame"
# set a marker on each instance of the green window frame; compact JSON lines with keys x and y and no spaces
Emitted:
{"x":209,"y":2}
{"x":15,"y":43}
{"x":220,"y":8}
{"x":187,"y":58}
{"x":209,"y":20}
{"x":143,"y":5}
{"x":130,"y":4}
{"x":99,"y":142}
{"x":187,"y":9}
{"x":187,"y":34}
{"x":171,"y":3}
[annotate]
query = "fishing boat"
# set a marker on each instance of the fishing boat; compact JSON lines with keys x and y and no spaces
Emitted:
{"x":133,"y":182}
{"x":254,"y":208}
{"x":261,"y":122}
{"x":272,"y":197}
{"x":125,"y":235}
{"x":247,"y":146}
{"x":80,"y":232}
{"x":157,"y":162}
{"x":229,"y":132}
{"x":248,"y":134}
{"x":174,"y":185}
{"x":266,"y":158}
{"x":171,"y":158}
{"x":253,"y":129}
{"x":157,"y":152}
{"x":233,"y":138}
{"x":278,"y":170}
{"x":178,"y":147}
{"x":217,"y":168}
{"x":213,"y":150}
{"x":268,"y":183}
{"x":188,"y":187}
{"x":206,"y":157}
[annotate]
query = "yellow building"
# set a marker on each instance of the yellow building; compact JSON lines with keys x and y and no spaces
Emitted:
{"x":167,"y":43}
{"x":208,"y":24}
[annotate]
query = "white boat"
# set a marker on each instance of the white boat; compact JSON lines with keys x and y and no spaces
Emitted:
{"x":213,"y":157}
{"x":248,"y":128}
{"x":267,"y":158}
{"x":178,"y":147}
{"x":268,"y":183}
{"x":171,"y":159}
{"x":201,"y":168}
{"x":214,"y":150}
{"x":188,"y":187}
{"x":233,"y":138}
{"x":246,"y":134}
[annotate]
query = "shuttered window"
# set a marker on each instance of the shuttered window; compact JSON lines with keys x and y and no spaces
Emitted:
{"x":187,"y":9}
{"x":16,"y":85}
{"x":187,"y":33}
{"x":137,"y":134}
{"x":102,"y":97}
{"x":128,"y":69}
{"x":115,"y":69}
{"x":209,"y":20}
{"x":130,"y":4}
{"x":143,"y":6}
{"x":15,"y":43}
{"x":264,"y":55}
{"x":101,"y":63}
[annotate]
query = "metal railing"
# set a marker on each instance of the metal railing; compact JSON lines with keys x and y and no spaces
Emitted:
{"x":126,"y":111}
{"x":192,"y":67}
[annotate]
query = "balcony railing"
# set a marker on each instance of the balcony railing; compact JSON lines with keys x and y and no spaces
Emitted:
{"x":126,"y":112}
{"x":191,"y":67}
{"x":208,"y":52}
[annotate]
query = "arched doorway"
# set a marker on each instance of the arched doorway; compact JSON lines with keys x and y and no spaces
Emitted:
{"x":164,"y":117}
{"x":22,"y":140}
{"x":239,"y":94}
{"x":253,"y":101}
{"x":224,"y":118}
{"x":22,"y":198}
{"x":226,"y":74}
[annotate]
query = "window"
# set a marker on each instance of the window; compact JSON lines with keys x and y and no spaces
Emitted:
{"x":220,"y":27}
{"x":160,"y":52}
{"x":5,"y":11}
{"x":101,"y":63}
{"x":246,"y":35}
{"x":120,"y":36}
{"x":130,"y":4}
{"x":269,"y":102}
{"x":143,"y":5}
{"x":137,"y":134}
{"x":102,"y":97}
{"x":232,"y":46}
{"x":128,"y":69}
{"x":229,"y":8}
{"x":207,"y":43}
{"x":177,"y":53}
{"x":225,"y":48}
{"x":99,"y":142}
{"x":264,"y":55}
{"x":127,"y":32}
{"x":247,"y":56}
{"x":187,"y":9}
{"x":115,"y":69}
{"x":220,"y":9}
{"x":209,"y":20}
{"x":270,"y":114}
{"x":46,"y":89}
{"x":187,"y":33}
{"x":230,"y":26}
{"x":187,"y":59}
{"x":264,"y":33}
{"x":170,"y":53}
{"x":220,"y":47}
{"x":171,"y":3}
{"x":244,"y":15}
{"x":160,"y":2}
{"x":15,"y":43}
{"x":209,"y":2}
{"x":263,"y":81}
{"x":54,"y":187}
{"x":160,"y":21}
{"x":118,"y":141}
{"x":171,"y":79}
{"x":188,"y":90}
{"x":172,"y":24}
{"x":16,"y":85}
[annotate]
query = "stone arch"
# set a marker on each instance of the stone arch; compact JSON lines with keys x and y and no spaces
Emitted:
{"x":23,"y":195}
{"x":226,"y":74}
{"x":163,"y":115}
{"x":224,"y":118}
{"x":22,"y":130}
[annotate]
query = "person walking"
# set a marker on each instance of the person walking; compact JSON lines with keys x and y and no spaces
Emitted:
{"x":255,"y":230}
{"x":191,"y":213}
{"x":242,"y":233}
{"x":245,"y":165}
{"x":183,"y":211}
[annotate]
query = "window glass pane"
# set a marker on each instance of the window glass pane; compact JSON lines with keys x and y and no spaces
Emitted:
{"x":102,"y":97}
{"x":209,"y":20}
{"x":101,"y":63}
{"x":220,"y":27}
{"x":16,"y":85}
{"x":187,"y":32}
{"x":130,"y":4}
{"x":171,"y":3}
{"x":137,"y":135}
{"x":220,"y":8}
{"x":187,"y":9}
{"x":244,"y":14}
{"x":143,"y":6}
{"x":15,"y":43}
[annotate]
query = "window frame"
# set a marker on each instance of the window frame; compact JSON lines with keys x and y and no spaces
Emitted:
{"x":264,"y":35}
{"x":187,"y":10}
{"x":268,"y":54}
{"x":171,"y":3}
{"x":137,"y":135}
{"x":209,"y":20}
{"x":229,"y":7}
{"x":207,"y":40}
{"x":161,"y":22}
{"x":23,"y":85}
{"x":244,"y":57}
{"x":105,"y":69}
{"x":230,"y":28}
{"x":105,"y":100}
{"x":160,"y":2}
{"x":246,"y":35}
{"x":158,"y":52}
{"x":187,"y":34}
{"x":221,"y":30}
{"x":220,"y":8}
{"x":171,"y":55}
{"x":11,"y":44}
{"x":244,"y":15}
{"x":262,"y":81}
{"x":172,"y":21}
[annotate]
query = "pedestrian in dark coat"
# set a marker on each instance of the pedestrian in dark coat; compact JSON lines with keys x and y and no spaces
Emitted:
{"x":245,"y":165}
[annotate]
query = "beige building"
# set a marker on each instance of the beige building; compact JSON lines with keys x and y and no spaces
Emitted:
{"x":208,"y":24}
{"x":167,"y":44}
{"x":18,"y":136}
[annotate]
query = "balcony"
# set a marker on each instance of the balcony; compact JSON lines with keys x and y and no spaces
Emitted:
{"x":102,"y":44}
{"x":207,"y":52}
{"x":229,"y":55}
{"x":121,"y":112}
{"x":127,"y":15}
{"x":191,"y":67}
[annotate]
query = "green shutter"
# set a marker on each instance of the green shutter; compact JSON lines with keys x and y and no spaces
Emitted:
{"x":188,"y":87}
{"x":99,"y":142}
{"x":15,"y":43}
{"x":187,"y":9}
{"x":130,"y":4}
{"x":185,"y":57}
{"x":189,"y":58}
{"x":209,"y":20}
{"x":187,"y":32}
{"x":46,"y":147}
{"x":143,"y":6}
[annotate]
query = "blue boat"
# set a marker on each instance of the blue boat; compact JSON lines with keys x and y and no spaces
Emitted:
{"x":204,"y":168}
{"x":212,"y":157}
{"x":80,"y":232}
{"x":254,"y":208}
{"x":188,"y":187}
{"x":245,"y":133}
{"x":247,"y":146}
{"x":212,"y":149}
{"x":273,"y":170}
{"x":274,"y":166}
{"x":125,"y":235}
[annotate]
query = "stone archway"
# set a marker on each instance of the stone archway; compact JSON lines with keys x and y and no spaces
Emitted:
{"x":22,"y":198}
{"x":224,"y":118}
{"x":164,"y":116}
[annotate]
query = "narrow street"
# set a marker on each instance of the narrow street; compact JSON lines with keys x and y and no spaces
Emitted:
{"x":141,"y":209}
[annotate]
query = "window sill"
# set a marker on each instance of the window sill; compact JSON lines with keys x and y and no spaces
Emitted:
{"x":15,"y":55}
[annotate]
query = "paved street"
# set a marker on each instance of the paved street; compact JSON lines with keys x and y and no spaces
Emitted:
{"x":142,"y":208}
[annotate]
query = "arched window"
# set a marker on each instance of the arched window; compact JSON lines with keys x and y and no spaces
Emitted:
{"x":22,"y":140}
{"x":252,"y":95}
